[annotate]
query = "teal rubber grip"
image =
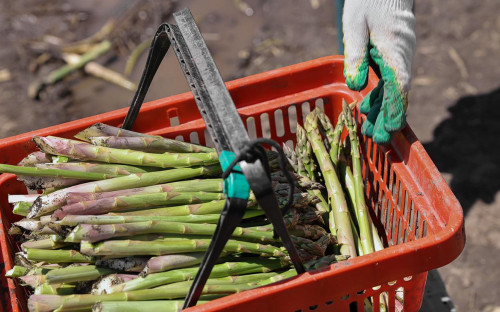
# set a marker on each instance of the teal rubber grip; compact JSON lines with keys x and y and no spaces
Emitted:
{"x":235,"y":185}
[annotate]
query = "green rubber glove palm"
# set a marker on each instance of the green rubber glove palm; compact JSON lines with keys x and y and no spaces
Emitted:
{"x":384,"y":30}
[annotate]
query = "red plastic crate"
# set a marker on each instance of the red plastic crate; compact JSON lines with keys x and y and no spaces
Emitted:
{"x":423,"y":220}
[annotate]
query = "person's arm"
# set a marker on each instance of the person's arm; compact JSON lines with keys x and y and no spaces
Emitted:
{"x":384,"y":30}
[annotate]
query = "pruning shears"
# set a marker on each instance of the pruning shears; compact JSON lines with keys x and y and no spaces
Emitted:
{"x":244,"y":161}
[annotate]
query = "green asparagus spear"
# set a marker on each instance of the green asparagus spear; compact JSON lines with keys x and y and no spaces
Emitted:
{"x":332,"y":134}
{"x":111,"y":169}
{"x":55,"y":289}
{"x":336,"y":196}
{"x":135,"y":202}
{"x":185,"y":210}
{"x":95,"y":233}
{"x":48,"y":303}
{"x":21,"y":208}
{"x":73,"y":220}
{"x":149,"y":144}
{"x":57,"y":256}
{"x":124,"y":248}
{"x":45,"y":204}
{"x":74,"y":274}
{"x":16,"y":271}
{"x":57,"y":173}
{"x":103,"y":130}
{"x":306,"y":166}
{"x":85,"y":151}
{"x":219,"y":270}
{"x":170,"y":262}
{"x":140,"y":306}
{"x":197,"y":185}
{"x":35,"y":158}
{"x":365,"y":231}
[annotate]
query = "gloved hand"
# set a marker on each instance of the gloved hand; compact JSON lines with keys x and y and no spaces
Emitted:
{"x":386,"y":30}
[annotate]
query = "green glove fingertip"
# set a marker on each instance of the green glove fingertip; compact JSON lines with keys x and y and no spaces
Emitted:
{"x":359,"y":80}
{"x":395,"y":111}
{"x":372,"y":99}
{"x":367,"y":128}
{"x":372,"y":116}
{"x":380,"y":135}
{"x":393,"y":114}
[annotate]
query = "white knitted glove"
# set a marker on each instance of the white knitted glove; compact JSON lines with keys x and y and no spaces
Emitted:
{"x":386,"y":30}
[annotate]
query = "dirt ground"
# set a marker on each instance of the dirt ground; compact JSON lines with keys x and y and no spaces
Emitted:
{"x":453,"y":102}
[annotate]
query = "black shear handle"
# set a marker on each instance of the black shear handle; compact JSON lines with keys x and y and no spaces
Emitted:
{"x":159,"y":47}
{"x":230,"y":217}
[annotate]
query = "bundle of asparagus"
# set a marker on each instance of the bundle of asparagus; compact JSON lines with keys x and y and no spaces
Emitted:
{"x":319,"y":145}
{"x":124,"y":216}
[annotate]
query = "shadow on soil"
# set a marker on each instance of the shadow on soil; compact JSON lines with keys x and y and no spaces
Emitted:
{"x":467,"y":145}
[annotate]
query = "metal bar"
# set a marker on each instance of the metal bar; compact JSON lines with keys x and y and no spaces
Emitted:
{"x":214,"y":96}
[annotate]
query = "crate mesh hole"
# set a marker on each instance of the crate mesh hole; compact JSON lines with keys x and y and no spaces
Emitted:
{"x":424,"y":229}
{"x":382,"y":166}
{"x":400,"y":191}
{"x":368,"y":304}
{"x":372,"y":148}
{"x":382,"y":209}
{"x":376,"y":207}
{"x":319,"y":103}
{"x":400,"y":231}
{"x":328,"y":303}
{"x":394,"y":189}
{"x":179,"y":138}
{"x":400,"y":298}
{"x":412,"y":216}
{"x":265,"y":125}
{"x":208,"y":139}
{"x":344,"y":297}
{"x":174,"y":121}
{"x":280,"y":126}
{"x":383,"y":301}
{"x":306,"y":109}
{"x":370,"y":179}
{"x":252,"y":130}
{"x":313,"y":307}
{"x":356,"y":116}
{"x":388,"y":180}
{"x":394,"y":239}
{"x":193,"y":138}
{"x":393,"y":181}
{"x":417,"y":225}
{"x":388,"y":214}
{"x":405,"y":207}
{"x":292,"y":118}
{"x":353,"y":306}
